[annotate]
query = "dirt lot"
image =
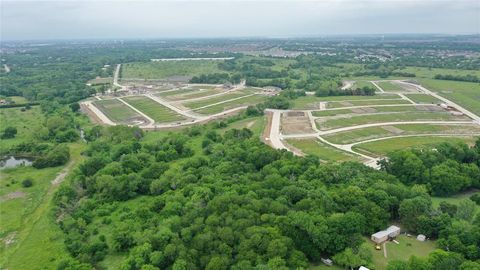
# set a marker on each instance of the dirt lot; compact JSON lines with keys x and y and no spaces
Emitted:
{"x":295,"y":123}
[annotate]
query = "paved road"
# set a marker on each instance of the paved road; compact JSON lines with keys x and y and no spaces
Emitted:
{"x":275,"y":135}
{"x":98,"y":113}
{"x":377,"y":86}
{"x":115,"y":78}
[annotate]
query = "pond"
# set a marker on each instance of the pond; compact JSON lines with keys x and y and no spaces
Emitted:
{"x":11,"y":162}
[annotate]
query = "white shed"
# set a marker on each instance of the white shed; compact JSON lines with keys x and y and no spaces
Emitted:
{"x":421,"y":237}
{"x":382,"y":236}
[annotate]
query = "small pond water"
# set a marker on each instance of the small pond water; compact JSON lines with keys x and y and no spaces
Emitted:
{"x":11,"y":162}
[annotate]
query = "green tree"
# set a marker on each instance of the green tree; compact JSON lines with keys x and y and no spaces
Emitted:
{"x":348,"y":258}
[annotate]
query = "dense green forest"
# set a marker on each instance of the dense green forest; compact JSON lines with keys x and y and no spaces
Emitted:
{"x":235,"y":203}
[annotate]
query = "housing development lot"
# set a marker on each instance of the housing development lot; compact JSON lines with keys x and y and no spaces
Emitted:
{"x":163,"y":104}
{"x":401,"y":114}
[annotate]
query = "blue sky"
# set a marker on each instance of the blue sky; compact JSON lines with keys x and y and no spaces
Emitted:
{"x":175,"y":19}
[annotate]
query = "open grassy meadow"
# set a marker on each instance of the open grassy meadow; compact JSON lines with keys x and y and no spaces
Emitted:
{"x":168,"y":69}
{"x":36,"y":241}
{"x":28,"y":124}
{"x":407,"y":247}
{"x":455,"y":199}
{"x":153,"y":109}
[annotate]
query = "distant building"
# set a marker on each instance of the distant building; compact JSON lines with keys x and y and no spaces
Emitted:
{"x":382,"y":236}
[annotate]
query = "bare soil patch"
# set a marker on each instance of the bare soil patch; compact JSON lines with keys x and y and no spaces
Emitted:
{"x":295,"y":123}
{"x":393,"y":129}
{"x":364,"y":110}
{"x":12,"y":195}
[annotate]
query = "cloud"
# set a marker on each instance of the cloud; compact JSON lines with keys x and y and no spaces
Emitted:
{"x":166,"y":19}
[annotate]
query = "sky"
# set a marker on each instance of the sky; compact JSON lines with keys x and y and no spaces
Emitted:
{"x":89,"y":19}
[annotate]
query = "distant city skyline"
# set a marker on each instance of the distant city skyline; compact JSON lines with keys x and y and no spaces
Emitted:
{"x":32,"y":20}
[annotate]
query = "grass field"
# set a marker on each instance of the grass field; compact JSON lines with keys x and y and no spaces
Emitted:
{"x":456,"y":199}
{"x":376,"y":132}
{"x":361,"y":84}
{"x":153,"y":109}
{"x":389,"y":86}
{"x":255,"y":124}
{"x":167,"y":69}
{"x":465,"y":94}
{"x":350,"y":103}
{"x":380,"y":148}
{"x":423,"y":72}
{"x":195,"y":93}
{"x":208,"y":101}
{"x":180,"y":91}
{"x":386,"y":117}
{"x":324,"y":152}
{"x":407,"y":247}
{"x":411,"y":108}
{"x":117,"y":111}
{"x":28,"y":123}
{"x":38,"y":241}
{"x":423,"y":99}
{"x":311,"y":102}
{"x":250,"y":100}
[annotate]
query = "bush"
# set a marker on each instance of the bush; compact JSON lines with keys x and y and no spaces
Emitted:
{"x":476,"y":198}
{"x":27,"y":183}
{"x":59,"y":155}
{"x":9,"y":133}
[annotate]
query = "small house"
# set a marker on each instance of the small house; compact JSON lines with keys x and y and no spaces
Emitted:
{"x":363,"y":268}
{"x":382,"y":236}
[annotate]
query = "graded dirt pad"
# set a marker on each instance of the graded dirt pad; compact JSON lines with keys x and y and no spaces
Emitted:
{"x":429,"y":108}
{"x":407,"y":87}
{"x":295,"y":123}
{"x":345,"y":103}
{"x":393,"y":129}
{"x":12,"y":195}
{"x":364,"y":110}
{"x":268,"y":128}
{"x":295,"y":114}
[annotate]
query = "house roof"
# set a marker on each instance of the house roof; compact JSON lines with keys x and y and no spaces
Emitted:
{"x":386,"y":232}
